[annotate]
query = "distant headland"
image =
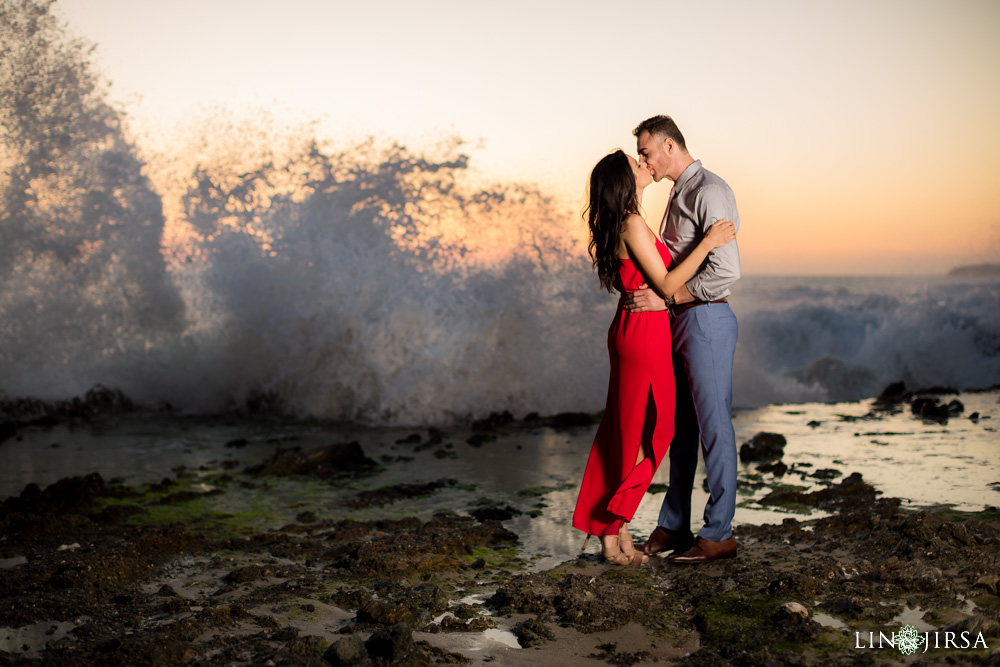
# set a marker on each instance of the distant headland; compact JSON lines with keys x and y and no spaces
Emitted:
{"x":976,"y":271}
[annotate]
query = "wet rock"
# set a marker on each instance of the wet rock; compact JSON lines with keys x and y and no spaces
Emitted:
{"x":564,"y":420}
{"x":892,"y":395}
{"x":479,"y":439}
{"x":725,"y":585}
{"x":175,"y":606}
{"x":167,"y":591}
{"x":70,"y":495}
{"x":465,"y":611}
{"x":396,"y":492}
{"x":863,"y":608}
{"x":495,"y":513}
{"x":931,"y":408}
{"x":852,"y":492}
{"x":7,"y":430}
{"x":351,"y":598}
{"x":792,"y":625}
{"x":956,"y":532}
{"x":238,"y":443}
{"x":219,"y":616}
{"x":989,"y":583}
{"x":826,"y":473}
{"x":428,"y":597}
{"x":329,"y":461}
{"x":777,"y":468}
{"x":392,"y":645}
{"x":478,"y":564}
{"x":848,"y":606}
{"x":296,"y":528}
{"x":437,"y":562}
{"x":494,"y":421}
{"x":99,"y":400}
{"x":522,"y":594}
{"x":349,"y":651}
{"x":477,"y":624}
{"x":607,"y":602}
{"x":974,"y":625}
{"x":763,"y":446}
{"x":243,"y":575}
{"x":383,"y":613}
{"x":610,"y":654}
{"x":532,"y":632}
{"x":305,"y":650}
{"x":938,"y":390}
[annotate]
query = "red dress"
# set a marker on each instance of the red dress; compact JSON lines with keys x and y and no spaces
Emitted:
{"x":641,"y":390}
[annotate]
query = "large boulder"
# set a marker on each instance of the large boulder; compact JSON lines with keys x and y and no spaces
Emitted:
{"x":330,"y":461}
{"x":762,"y":447}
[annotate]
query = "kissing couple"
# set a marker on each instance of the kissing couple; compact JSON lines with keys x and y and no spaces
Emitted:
{"x":671,"y":347}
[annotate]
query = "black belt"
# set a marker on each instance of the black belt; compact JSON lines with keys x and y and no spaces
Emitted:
{"x":681,"y":307}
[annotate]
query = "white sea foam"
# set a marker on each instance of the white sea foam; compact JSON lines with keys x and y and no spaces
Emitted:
{"x":835,"y":339}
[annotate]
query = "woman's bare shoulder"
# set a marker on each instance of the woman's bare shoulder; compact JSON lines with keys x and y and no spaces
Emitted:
{"x":634,"y":223}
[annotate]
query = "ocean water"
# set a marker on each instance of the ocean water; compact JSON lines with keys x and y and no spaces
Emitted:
{"x":368,"y":283}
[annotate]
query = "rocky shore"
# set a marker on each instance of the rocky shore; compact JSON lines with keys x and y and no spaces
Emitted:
{"x":194,"y":570}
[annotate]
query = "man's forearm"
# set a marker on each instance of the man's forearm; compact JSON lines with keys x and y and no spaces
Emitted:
{"x":683,"y":295}
{"x":721,"y":271}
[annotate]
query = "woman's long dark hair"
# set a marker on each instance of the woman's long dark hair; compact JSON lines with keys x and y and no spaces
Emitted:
{"x":612,"y":199}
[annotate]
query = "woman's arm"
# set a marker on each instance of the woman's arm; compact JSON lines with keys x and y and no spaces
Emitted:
{"x":639,"y":241}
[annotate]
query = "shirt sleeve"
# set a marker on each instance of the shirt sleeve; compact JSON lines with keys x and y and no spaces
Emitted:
{"x":722,"y":267}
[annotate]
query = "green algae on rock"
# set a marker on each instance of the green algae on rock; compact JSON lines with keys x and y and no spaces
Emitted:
{"x":538,"y":491}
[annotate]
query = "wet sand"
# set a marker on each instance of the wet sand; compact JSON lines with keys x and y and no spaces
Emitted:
{"x":389,"y":546}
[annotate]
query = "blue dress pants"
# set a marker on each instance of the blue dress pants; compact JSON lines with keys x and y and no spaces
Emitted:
{"x":704,"y":342}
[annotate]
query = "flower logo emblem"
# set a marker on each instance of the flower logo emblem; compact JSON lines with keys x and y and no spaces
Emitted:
{"x":908,"y":640}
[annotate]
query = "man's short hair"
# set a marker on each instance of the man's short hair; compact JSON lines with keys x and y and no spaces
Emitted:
{"x":663,"y":126}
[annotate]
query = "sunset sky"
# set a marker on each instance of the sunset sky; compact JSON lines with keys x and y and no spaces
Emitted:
{"x":860,"y":137}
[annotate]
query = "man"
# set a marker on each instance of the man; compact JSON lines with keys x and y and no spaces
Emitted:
{"x":704,"y":332}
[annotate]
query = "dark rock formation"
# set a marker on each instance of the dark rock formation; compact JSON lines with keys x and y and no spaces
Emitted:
{"x":330,"y":461}
{"x":762,"y":447}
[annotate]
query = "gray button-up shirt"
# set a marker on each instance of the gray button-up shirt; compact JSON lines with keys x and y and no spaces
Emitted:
{"x":699,"y":200}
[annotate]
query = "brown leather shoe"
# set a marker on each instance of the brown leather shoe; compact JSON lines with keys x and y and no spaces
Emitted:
{"x":663,"y":540}
{"x":704,"y":551}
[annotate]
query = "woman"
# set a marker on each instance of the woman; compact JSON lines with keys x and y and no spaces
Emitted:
{"x":637,"y":425}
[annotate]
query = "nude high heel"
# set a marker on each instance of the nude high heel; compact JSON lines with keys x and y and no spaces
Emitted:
{"x":627,"y":547}
{"x":611,"y":552}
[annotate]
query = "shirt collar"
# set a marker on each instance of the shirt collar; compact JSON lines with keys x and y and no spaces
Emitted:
{"x":686,"y":175}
